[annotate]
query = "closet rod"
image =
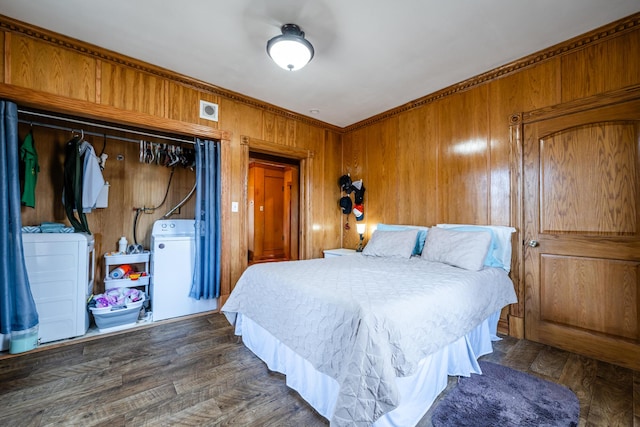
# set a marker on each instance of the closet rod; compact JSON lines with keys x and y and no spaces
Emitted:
{"x":85,"y":123}
{"x":68,"y":129}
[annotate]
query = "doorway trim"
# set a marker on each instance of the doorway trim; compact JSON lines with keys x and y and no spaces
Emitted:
{"x":305,"y":158}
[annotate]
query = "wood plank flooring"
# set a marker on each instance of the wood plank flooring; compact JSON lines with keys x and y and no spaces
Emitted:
{"x":195,"y":372}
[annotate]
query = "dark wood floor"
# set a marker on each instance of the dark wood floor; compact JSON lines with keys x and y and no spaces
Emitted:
{"x":194,"y":372}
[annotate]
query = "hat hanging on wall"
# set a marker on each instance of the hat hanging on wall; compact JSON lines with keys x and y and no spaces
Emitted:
{"x":358,"y":211}
{"x":358,"y":196}
{"x":346,"y":205}
{"x":345,"y":183}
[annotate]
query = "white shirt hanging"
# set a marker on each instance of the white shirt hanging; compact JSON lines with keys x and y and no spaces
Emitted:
{"x":92,"y":179}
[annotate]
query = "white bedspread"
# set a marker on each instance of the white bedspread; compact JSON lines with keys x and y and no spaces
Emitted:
{"x":364,"y":320}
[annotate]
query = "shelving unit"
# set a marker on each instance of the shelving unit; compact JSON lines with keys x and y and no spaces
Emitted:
{"x":139,"y":262}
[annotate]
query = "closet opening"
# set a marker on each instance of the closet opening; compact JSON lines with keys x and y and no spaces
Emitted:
{"x":146,"y":172}
{"x":273,"y":208}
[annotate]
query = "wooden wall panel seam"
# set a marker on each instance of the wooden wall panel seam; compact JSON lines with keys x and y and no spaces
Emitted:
{"x":7,"y":57}
{"x":516,"y":168}
{"x":98,"y":96}
{"x":165,"y":105}
{"x":489,"y":159}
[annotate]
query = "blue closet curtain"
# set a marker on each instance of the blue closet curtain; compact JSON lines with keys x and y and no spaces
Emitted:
{"x":17,"y":307}
{"x":206,"y":278}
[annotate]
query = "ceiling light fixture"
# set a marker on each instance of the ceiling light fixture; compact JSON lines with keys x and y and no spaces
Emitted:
{"x":290,"y":50}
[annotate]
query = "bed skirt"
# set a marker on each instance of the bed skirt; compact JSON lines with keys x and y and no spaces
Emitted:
{"x":417,"y":392}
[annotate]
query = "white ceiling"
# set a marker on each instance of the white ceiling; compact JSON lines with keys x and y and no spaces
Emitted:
{"x":370,"y":55}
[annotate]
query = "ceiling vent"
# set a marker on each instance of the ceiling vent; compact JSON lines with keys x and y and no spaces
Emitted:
{"x":208,"y":111}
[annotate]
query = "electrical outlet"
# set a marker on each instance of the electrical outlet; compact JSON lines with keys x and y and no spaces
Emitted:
{"x":234,"y":206}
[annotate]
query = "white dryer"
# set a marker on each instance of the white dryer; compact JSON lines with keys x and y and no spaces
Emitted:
{"x":172,"y":266}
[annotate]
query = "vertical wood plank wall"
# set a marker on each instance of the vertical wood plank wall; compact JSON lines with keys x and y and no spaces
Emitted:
{"x":447,"y":159}
{"x":48,"y":63}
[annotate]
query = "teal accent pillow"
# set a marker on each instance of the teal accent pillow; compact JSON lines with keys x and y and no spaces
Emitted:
{"x":420,"y":239}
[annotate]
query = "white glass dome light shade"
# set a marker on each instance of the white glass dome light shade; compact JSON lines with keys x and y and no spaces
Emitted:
{"x":290,"y":54}
{"x":291,"y":51}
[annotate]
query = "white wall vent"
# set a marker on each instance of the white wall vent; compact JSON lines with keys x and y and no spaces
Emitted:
{"x":208,"y":110}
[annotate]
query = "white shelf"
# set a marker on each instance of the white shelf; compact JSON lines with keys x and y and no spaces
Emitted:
{"x":110,"y":283}
{"x":119,"y":259}
{"x":114,"y":260}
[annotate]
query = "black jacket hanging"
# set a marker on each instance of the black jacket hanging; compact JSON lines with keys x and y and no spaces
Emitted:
{"x":73,"y":185}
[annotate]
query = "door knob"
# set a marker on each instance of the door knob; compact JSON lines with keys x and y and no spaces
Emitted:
{"x":533,"y":243}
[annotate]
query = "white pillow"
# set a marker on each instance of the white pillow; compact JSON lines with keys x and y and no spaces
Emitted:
{"x":422,"y":233}
{"x":464,"y":249}
{"x":499,"y":254}
{"x":397,"y":244}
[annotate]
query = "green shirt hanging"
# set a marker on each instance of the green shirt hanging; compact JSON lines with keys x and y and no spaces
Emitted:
{"x":29,"y":158}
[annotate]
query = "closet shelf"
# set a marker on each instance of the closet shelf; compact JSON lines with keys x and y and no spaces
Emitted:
{"x":126,"y":258}
{"x":126,"y":283}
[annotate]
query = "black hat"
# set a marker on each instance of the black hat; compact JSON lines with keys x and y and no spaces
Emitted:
{"x":345,"y":183}
{"x":359,"y":195}
{"x":345,"y":204}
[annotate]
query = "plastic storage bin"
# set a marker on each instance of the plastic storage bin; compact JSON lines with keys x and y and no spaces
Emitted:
{"x":115,"y":318}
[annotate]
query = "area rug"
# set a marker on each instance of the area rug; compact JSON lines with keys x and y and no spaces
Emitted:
{"x":502,"y":396}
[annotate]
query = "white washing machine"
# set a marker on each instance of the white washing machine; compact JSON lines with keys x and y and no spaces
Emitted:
{"x":61,"y":269}
{"x":172,"y":264}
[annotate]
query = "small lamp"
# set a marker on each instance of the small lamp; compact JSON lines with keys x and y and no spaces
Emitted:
{"x":290,"y":50}
{"x":361,"y":228}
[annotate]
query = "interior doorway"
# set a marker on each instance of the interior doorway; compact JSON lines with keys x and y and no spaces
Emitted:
{"x":273,"y":207}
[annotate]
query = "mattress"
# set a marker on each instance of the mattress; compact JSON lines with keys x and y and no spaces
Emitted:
{"x":367,"y":321}
{"x":417,"y":391}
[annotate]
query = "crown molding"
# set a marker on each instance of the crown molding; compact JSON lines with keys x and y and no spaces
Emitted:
{"x":599,"y":35}
{"x":28,"y":30}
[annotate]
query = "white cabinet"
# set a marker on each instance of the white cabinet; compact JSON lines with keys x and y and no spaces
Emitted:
{"x":139,"y":264}
{"x":328,"y":253}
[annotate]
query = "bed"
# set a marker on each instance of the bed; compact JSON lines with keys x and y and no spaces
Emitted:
{"x":370,"y":339}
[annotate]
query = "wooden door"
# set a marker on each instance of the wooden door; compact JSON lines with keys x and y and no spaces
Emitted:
{"x":581,"y":231}
{"x":273,"y":215}
{"x":267,"y":212}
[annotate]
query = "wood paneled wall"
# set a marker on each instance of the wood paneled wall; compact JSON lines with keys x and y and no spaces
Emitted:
{"x":443,"y":158}
{"x":45,"y":70}
{"x":446,"y":158}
